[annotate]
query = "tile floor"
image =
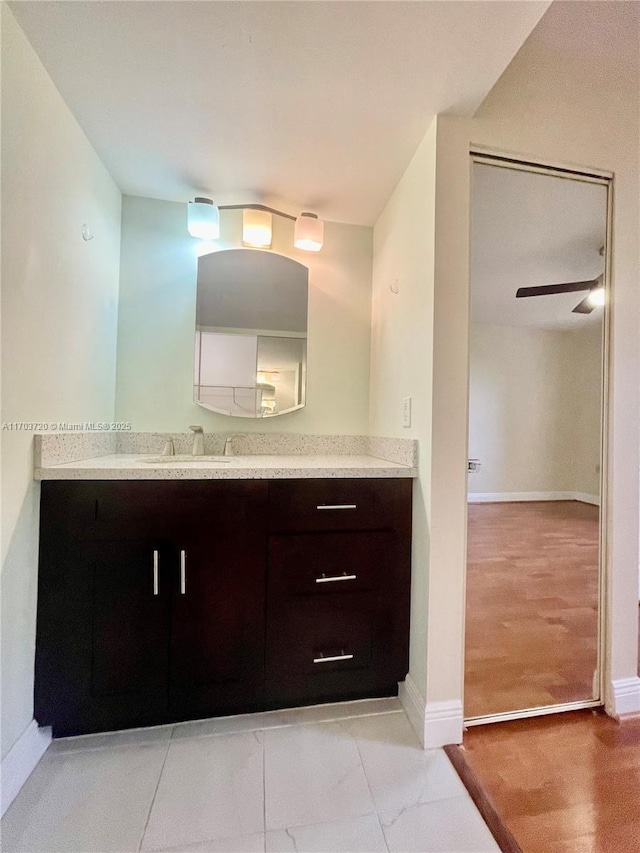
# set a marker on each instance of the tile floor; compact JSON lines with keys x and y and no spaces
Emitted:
{"x":349,"y":777}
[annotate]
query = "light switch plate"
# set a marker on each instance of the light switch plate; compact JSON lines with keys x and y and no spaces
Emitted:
{"x":406,"y":411}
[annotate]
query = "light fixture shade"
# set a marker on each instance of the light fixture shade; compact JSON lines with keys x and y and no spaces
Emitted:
{"x":203,"y":219}
{"x":309,"y":232}
{"x":256,"y":228}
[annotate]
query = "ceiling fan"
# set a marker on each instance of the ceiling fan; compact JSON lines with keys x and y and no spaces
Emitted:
{"x":593,"y":299}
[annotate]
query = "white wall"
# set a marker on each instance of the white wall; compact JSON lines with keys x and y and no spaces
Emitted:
{"x":559,"y":106}
{"x":571,"y":108}
{"x":401,"y":363}
{"x":534,"y":409}
{"x":584,"y":398}
{"x":59,"y":315}
{"x":157,"y":320}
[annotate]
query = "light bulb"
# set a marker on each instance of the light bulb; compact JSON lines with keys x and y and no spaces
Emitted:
{"x":596,"y":297}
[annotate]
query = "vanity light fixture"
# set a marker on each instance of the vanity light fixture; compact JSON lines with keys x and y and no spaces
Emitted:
{"x":203,"y":219}
{"x":204,"y":222}
{"x":309,"y":232}
{"x":256,"y":228}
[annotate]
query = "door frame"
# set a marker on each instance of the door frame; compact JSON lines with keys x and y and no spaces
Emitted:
{"x":499,"y":159}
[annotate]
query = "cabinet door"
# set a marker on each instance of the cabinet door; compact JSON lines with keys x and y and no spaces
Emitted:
{"x":130,"y":601}
{"x":102,"y":642}
{"x":217,"y":623}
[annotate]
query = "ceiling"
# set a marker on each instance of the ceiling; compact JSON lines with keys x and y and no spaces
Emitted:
{"x":530,"y":229}
{"x":309,"y":105}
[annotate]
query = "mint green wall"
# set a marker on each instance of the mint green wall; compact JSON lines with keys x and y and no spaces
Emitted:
{"x":157,"y":311}
{"x":59,"y":322}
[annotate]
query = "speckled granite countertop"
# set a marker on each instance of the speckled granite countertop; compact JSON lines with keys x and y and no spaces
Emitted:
{"x":126,"y":466}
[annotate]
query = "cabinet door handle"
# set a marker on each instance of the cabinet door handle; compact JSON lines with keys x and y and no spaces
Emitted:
{"x":183,"y":572}
{"x":331,"y":658}
{"x":343,"y":577}
{"x":337,"y":506}
{"x":155,"y":573}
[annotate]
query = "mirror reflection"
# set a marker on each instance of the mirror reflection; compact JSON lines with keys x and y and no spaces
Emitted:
{"x":251,"y":333}
{"x":538,"y":302}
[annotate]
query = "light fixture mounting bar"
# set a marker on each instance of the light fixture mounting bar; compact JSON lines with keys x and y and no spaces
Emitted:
{"x":256,"y":207}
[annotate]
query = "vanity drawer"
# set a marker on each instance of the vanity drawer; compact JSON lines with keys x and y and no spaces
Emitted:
{"x":132,"y":509}
{"x":344,"y":504}
{"x":324,"y":649}
{"x":330,"y":564}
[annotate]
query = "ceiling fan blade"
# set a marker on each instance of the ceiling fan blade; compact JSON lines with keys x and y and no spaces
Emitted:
{"x":548,"y":289}
{"x":584,"y":307}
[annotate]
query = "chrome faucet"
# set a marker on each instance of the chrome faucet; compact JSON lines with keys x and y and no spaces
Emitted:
{"x":230,"y":446}
{"x":169,"y":448}
{"x":198,"y":441}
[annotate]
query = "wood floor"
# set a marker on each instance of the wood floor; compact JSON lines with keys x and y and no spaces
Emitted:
{"x":532,"y":598}
{"x":567,"y":783}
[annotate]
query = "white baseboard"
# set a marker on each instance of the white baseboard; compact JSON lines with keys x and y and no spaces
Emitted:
{"x":413,"y":704}
{"x":514,"y":497}
{"x":443,"y":724}
{"x":626,"y":697}
{"x":21,"y":760}
{"x":436,"y":723}
{"x":584,"y":498}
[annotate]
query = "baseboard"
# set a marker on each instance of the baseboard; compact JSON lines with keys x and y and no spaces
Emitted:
{"x":21,"y":760}
{"x":514,"y":497}
{"x":436,"y":723}
{"x":626,"y":697}
{"x":413,"y":704}
{"x":443,"y":724}
{"x":584,"y":498}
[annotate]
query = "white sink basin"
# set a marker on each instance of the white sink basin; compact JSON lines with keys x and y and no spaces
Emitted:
{"x":185,"y":459}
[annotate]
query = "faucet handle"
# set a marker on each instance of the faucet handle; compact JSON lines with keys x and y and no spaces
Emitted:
{"x":198,"y":441}
{"x":169,"y":448}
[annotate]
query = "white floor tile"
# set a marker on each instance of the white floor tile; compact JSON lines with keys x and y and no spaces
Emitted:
{"x":298,"y":785}
{"x":210,"y":788}
{"x":241,"y":724}
{"x":109,"y":740}
{"x":313,"y":774}
{"x":448,"y":826}
{"x":399,"y":771}
{"x":291,"y":717}
{"x":342,"y":711}
{"x":354,"y":835}
{"x":239,"y":844}
{"x":91,"y":801}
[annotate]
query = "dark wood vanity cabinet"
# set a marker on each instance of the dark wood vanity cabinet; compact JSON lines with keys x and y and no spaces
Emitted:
{"x":150,"y":602}
{"x":161,"y":601}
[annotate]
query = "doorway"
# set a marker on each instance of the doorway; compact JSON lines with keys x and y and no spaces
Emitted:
{"x":537,"y":386}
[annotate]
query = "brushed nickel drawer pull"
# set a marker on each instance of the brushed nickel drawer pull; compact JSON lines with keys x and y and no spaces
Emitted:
{"x":155,"y":573}
{"x":343,"y":577}
{"x":337,"y":506}
{"x":183,"y":572}
{"x":331,"y":658}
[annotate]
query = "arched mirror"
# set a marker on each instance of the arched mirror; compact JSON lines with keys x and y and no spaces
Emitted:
{"x":251,"y":333}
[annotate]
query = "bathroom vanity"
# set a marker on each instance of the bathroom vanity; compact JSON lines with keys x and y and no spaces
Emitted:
{"x":181,"y":591}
